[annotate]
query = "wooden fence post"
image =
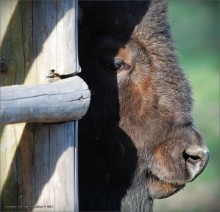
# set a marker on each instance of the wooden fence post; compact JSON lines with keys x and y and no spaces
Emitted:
{"x":38,"y":160}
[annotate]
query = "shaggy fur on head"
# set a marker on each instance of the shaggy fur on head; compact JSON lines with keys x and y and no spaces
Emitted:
{"x":137,"y":141}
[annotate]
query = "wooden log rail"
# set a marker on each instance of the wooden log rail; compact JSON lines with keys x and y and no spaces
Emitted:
{"x":39,"y":161}
{"x":65,"y":100}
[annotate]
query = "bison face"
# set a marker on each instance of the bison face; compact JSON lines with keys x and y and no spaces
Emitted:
{"x":154,"y":106}
{"x":139,"y":121}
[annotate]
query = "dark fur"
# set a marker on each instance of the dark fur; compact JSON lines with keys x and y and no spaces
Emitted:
{"x":139,"y":114}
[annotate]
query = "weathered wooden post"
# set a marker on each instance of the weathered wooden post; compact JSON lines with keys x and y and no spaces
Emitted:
{"x":38,"y":160}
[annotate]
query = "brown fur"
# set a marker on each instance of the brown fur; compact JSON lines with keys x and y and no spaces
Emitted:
{"x":137,"y":141}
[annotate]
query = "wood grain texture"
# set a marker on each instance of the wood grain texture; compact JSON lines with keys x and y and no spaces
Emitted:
{"x":65,"y":100}
{"x":37,"y":159}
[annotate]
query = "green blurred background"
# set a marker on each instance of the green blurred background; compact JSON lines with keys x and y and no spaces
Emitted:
{"x":196,"y":31}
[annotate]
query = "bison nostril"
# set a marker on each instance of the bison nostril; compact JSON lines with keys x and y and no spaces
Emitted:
{"x":190,"y":158}
{"x":196,"y":159}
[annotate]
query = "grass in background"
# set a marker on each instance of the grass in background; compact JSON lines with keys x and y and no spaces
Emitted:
{"x":196,"y":29}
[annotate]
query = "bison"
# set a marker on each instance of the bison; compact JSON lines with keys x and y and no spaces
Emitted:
{"x":137,"y":142}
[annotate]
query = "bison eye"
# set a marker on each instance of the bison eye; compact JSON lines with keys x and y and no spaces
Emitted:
{"x":114,"y":64}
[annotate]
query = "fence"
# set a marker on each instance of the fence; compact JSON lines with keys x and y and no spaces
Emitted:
{"x":38,"y":54}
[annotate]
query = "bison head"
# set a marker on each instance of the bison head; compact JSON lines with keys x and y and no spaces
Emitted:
{"x":141,"y":102}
